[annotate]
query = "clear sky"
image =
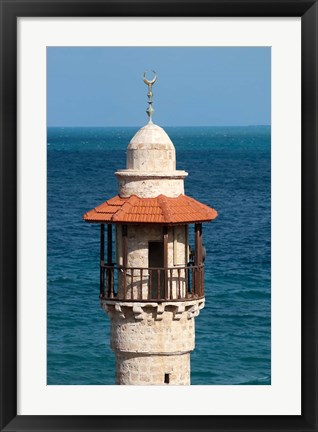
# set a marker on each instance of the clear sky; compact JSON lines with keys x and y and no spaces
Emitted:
{"x":196,"y":86}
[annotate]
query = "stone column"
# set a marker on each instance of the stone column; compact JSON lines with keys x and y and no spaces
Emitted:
{"x":152,"y":342}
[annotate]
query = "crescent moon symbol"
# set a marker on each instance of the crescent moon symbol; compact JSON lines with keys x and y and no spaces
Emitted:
{"x":154,"y":79}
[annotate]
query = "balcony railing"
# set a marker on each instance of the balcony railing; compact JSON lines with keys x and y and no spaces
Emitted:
{"x":151,"y":284}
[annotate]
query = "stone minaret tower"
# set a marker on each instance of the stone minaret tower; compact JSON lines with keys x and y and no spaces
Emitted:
{"x":152,"y":286}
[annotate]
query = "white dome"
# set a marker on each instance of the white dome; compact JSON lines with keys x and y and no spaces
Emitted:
{"x":151,"y":149}
{"x":151,"y":136}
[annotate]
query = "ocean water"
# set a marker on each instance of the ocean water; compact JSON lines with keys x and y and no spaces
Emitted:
{"x":229,"y":169}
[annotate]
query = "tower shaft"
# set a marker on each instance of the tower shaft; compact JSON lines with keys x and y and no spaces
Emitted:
{"x":152,"y":342}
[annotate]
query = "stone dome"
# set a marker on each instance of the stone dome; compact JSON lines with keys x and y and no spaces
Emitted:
{"x":151,"y":150}
{"x":150,"y":166}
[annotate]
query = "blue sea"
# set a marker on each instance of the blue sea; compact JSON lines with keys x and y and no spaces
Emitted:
{"x":229,"y":169}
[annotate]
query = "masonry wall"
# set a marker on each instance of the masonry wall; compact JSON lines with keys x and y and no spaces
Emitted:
{"x":139,"y":369}
{"x":152,"y":342}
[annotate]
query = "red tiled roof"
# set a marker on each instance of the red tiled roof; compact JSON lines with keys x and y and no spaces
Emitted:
{"x":161,"y":209}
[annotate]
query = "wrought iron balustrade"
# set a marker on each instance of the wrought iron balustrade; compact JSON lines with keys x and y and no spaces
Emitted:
{"x":151,"y":284}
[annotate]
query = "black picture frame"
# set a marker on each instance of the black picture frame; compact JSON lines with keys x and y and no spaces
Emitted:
{"x":10,"y":11}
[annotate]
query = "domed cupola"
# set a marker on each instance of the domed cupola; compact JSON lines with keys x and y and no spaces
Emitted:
{"x":151,"y":161}
{"x":151,"y":149}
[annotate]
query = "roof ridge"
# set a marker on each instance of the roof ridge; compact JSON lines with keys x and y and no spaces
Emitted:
{"x":166,"y":211}
{"x":122,"y":211}
{"x":133,"y":199}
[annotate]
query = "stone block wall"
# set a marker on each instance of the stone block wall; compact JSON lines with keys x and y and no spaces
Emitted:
{"x":140,"y":369}
{"x":152,"y":342}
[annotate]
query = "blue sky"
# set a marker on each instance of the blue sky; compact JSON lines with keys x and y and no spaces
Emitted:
{"x":196,"y":86}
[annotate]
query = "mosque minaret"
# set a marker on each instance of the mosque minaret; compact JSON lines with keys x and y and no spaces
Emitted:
{"x":152,"y":285}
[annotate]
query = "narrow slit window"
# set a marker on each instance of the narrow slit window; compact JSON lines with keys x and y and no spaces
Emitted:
{"x":167,"y":378}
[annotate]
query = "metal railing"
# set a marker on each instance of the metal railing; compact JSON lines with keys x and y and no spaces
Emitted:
{"x":151,"y":284}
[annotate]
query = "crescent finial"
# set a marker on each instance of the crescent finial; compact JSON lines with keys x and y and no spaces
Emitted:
{"x":150,"y":83}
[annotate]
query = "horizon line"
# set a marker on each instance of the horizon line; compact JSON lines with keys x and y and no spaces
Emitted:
{"x":162,"y":126}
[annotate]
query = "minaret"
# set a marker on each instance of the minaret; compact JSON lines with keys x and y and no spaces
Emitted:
{"x":153,"y":286}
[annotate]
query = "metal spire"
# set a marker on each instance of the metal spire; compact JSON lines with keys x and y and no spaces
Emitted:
{"x":150,"y":83}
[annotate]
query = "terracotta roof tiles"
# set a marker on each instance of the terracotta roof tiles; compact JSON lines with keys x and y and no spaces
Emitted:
{"x":162,"y":209}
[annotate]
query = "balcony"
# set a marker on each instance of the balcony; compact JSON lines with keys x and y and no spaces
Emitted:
{"x":122,"y":284}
